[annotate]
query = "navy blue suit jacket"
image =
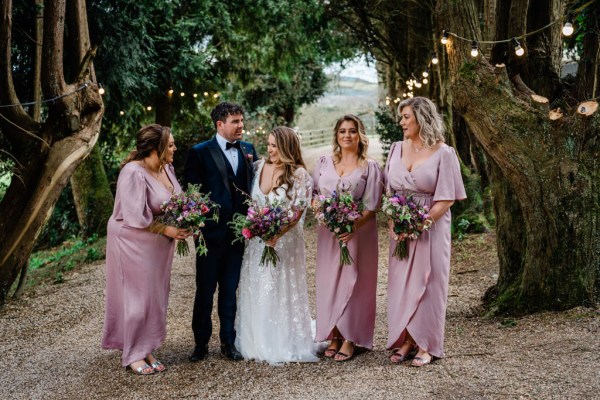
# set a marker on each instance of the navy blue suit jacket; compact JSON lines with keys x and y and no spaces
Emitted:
{"x":205,"y":165}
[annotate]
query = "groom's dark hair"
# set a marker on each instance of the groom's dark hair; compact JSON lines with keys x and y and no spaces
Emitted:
{"x":223,"y":110}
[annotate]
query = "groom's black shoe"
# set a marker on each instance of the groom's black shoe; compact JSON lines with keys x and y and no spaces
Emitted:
{"x":199,"y":353}
{"x":229,"y":351}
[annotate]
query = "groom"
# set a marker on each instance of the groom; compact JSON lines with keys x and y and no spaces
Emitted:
{"x":223,"y":166}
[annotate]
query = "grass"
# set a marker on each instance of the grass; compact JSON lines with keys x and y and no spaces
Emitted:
{"x":49,"y":266}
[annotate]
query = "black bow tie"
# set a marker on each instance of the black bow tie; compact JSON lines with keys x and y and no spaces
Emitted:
{"x":229,"y":145}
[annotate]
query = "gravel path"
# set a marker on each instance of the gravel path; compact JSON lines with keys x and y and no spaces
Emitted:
{"x":50,"y":347}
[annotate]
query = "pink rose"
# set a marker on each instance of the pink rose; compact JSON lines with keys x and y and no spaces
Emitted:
{"x":246,"y":233}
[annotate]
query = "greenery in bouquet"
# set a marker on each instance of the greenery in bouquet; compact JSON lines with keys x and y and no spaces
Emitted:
{"x":190,"y":210}
{"x":265,"y":221}
{"x":409,"y":220}
{"x":338,"y":213}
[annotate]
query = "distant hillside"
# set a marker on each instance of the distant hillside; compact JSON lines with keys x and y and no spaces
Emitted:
{"x":344,"y":96}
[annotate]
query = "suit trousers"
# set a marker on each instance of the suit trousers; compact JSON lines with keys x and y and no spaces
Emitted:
{"x":221,"y":266}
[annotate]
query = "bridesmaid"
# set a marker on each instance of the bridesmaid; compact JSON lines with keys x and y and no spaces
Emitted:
{"x":346,"y":294}
{"x":424,"y":166}
{"x":139,"y":252}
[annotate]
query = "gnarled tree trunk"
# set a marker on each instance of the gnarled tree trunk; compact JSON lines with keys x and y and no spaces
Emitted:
{"x":551,"y":169}
{"x":47,"y":153}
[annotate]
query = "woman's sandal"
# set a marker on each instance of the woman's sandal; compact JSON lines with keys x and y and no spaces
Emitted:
{"x":344,"y":356}
{"x":141,"y":370}
{"x":397,"y":357}
{"x":421,"y":361}
{"x":332,"y":351}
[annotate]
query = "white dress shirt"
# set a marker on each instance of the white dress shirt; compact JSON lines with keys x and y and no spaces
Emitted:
{"x":231,"y":155}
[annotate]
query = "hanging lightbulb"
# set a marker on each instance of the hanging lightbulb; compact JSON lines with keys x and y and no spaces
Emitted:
{"x":474,"y":49}
{"x":519,"y":51}
{"x":418,"y":84}
{"x":425,"y":81}
{"x":121,"y":113}
{"x":170,"y":92}
{"x":434,"y":59}
{"x":444,"y":37}
{"x":426,"y":73}
{"x":567,"y":28}
{"x":195,"y":95}
{"x":101,"y":89}
{"x":149,"y":108}
{"x":403,"y":94}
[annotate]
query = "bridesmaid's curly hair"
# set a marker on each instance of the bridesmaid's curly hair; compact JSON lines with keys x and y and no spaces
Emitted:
{"x":363,"y":144}
{"x":290,"y":155}
{"x":149,"y":138}
{"x":431,"y":125}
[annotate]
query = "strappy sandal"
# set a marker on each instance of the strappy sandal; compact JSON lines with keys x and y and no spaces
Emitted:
{"x":330,"y":352}
{"x":421,"y":362}
{"x":397,"y":357}
{"x":141,"y":370}
{"x":157,"y":366}
{"x":345,"y":356}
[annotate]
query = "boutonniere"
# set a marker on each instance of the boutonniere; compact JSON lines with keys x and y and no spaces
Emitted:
{"x":249,"y":157}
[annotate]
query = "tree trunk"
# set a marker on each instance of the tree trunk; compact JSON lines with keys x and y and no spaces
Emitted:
{"x":47,"y":153}
{"x":552,"y":171}
{"x":92,"y":195}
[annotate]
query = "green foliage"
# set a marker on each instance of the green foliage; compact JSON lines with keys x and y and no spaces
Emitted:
{"x":388,"y":130}
{"x":63,"y":223}
{"x":51,"y":264}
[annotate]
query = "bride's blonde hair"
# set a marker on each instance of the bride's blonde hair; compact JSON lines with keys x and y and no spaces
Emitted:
{"x":290,"y":155}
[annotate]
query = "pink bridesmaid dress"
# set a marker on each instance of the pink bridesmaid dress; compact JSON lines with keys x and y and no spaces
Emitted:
{"x":346,"y":294}
{"x":138,"y":266}
{"x":418,"y":285}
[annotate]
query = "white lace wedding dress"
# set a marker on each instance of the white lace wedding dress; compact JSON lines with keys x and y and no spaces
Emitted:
{"x":273,"y":322}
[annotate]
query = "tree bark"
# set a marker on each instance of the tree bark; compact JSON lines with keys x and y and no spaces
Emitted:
{"x":548,"y":170}
{"x":48,"y":153}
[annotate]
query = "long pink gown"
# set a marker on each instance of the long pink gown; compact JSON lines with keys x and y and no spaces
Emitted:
{"x":138,"y":266}
{"x":418,"y":285}
{"x":346,"y":294}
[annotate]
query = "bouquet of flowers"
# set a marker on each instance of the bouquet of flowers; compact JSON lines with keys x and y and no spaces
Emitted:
{"x":338,"y":213}
{"x":266,"y":222}
{"x":189,"y":210}
{"x":407,"y":216}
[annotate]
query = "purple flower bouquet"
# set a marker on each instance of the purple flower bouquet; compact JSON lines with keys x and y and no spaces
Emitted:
{"x":189,"y":210}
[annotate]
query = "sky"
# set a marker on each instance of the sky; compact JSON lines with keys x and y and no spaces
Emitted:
{"x":357,"y":69}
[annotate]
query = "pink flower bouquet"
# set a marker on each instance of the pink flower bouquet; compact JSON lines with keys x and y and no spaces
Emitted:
{"x":338,"y":213}
{"x":189,"y":210}
{"x":407,"y":216}
{"x":266,"y":222}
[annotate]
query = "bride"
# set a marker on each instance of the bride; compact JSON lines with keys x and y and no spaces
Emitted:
{"x":273,"y":321}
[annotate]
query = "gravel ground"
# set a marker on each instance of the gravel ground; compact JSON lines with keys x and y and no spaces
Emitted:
{"x":50,"y":347}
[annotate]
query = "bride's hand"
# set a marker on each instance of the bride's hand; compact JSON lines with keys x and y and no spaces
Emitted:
{"x":272,"y":242}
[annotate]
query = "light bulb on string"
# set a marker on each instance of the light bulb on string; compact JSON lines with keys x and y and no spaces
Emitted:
{"x":121,"y":113}
{"x":474,"y":49}
{"x":205,"y":94}
{"x":426,"y":73}
{"x":195,"y":95}
{"x":182,"y":94}
{"x":149,"y":108}
{"x":434,"y":59}
{"x":170,"y":92}
{"x":519,"y":51}
{"x":425,"y":81}
{"x":418,"y":84}
{"x":444,"y":37}
{"x":567,"y":28}
{"x":101,"y":89}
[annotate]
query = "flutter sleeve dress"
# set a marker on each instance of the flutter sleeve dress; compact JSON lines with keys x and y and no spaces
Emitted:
{"x":138,"y":266}
{"x":346,"y":294}
{"x":418,"y":285}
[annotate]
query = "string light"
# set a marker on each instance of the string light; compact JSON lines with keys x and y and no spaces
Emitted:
{"x":425,"y":81}
{"x":474,"y":48}
{"x":121,"y":113}
{"x":195,"y":95}
{"x":518,"y":49}
{"x":149,"y":108}
{"x":205,"y":94}
{"x":30,"y":103}
{"x":444,"y":37}
{"x":101,"y":89}
{"x":567,"y":28}
{"x":170,"y":92}
{"x":182,"y":94}
{"x":418,"y":84}
{"x":434,"y":59}
{"x":426,"y":73}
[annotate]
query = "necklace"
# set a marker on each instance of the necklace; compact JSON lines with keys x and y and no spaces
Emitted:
{"x":417,"y":149}
{"x":157,"y":175}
